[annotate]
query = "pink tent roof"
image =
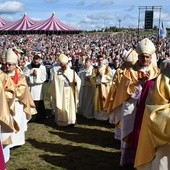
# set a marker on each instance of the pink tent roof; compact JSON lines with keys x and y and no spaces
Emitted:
{"x":51,"y":24}
{"x":23,"y":24}
{"x":27,"y":24}
{"x":3,"y":22}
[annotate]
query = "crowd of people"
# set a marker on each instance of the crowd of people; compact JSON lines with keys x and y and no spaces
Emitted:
{"x":119,"y":78}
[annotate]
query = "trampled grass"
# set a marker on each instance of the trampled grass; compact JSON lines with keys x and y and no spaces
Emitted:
{"x":89,"y":145}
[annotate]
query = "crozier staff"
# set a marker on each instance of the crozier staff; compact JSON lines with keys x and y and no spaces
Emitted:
{"x":65,"y":89}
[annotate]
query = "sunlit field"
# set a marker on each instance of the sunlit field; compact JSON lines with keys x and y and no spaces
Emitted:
{"x":89,"y":145}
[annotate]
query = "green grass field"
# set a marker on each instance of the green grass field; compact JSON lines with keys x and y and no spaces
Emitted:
{"x":89,"y":145}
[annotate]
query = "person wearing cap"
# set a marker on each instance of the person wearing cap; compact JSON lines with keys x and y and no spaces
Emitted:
{"x":153,"y":150}
{"x":24,"y":105}
{"x":101,"y":78}
{"x":36,"y":75}
{"x":129,"y":99}
{"x":65,"y":88}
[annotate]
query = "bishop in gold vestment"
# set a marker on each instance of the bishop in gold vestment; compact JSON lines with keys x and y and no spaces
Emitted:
{"x":24,"y":105}
{"x":127,"y":95}
{"x":153,"y":150}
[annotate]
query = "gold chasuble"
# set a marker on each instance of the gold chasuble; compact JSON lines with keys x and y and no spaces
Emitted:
{"x":24,"y":96}
{"x":101,"y":78}
{"x":7,"y":105}
{"x":9,"y":90}
{"x":127,"y":84}
{"x":155,"y":129}
{"x":111,"y":95}
{"x":6,"y":120}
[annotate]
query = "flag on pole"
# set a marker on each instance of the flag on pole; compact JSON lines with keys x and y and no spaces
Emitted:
{"x":162,"y":31}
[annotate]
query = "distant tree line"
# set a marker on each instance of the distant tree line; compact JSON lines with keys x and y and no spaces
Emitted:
{"x":115,"y":29}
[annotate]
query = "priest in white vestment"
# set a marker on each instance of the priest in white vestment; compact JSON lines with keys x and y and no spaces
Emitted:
{"x":36,"y":76}
{"x":65,"y":89}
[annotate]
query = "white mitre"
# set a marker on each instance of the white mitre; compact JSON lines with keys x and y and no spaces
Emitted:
{"x":130,"y":56}
{"x":11,"y":57}
{"x":145,"y":46}
{"x":63,"y":59}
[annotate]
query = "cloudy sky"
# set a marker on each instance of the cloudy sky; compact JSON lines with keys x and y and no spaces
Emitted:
{"x":88,"y":14}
